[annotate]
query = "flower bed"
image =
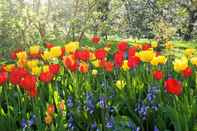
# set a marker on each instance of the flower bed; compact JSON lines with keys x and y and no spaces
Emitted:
{"x":102,"y":88}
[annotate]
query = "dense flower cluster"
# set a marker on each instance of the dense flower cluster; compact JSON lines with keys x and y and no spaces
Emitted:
{"x":98,"y":88}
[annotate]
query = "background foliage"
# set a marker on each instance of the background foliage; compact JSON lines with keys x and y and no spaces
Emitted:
{"x":24,"y":22}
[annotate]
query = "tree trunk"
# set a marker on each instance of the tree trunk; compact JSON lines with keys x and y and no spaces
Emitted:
{"x":127,"y":5}
{"x":190,"y":28}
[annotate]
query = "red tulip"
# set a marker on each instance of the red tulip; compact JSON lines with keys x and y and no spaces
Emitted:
{"x":13,"y":54}
{"x":100,"y":53}
{"x":32,"y":92}
{"x":146,"y":46}
{"x":107,"y":65}
{"x":131,"y":51}
{"x":54,"y":68}
{"x":63,"y":52}
{"x":70,"y":63}
{"x":122,"y":46}
{"x":173,"y":86}
{"x":28,"y":82}
{"x":46,"y":77}
{"x":95,"y":39}
{"x":82,"y":55}
{"x":17,"y":74}
{"x":187,"y":72}
{"x":133,"y":61}
{"x":3,"y":77}
{"x":158,"y":75}
{"x":3,"y":68}
{"x":118,"y":58}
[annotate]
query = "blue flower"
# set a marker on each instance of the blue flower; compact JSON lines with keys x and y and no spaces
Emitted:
{"x":110,"y":123}
{"x":70,"y":102}
{"x":94,"y":125}
{"x":137,"y":129}
{"x":142,"y":110}
{"x":23,"y":123}
{"x":32,"y":120}
{"x":70,"y":121}
{"x":156,"y":129}
{"x":102,"y":102}
{"x":152,"y":93}
{"x":90,"y":103}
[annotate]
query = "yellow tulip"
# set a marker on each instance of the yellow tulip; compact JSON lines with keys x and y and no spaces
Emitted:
{"x":71,"y":47}
{"x":162,"y":59}
{"x":83,"y":67}
{"x":158,"y":60}
{"x":21,"y":62}
{"x":36,"y":70}
{"x":189,"y":52}
{"x":32,"y":63}
{"x":34,"y":49}
{"x":96,"y":63}
{"x":9,"y":67}
{"x":180,"y":64}
{"x":45,"y":68}
{"x":46,"y":55}
{"x":120,"y":84}
{"x":154,"y":44}
{"x":125,"y":65}
{"x":92,"y":56}
{"x":146,"y":56}
{"x":21,"y":55}
{"x":55,"y":51}
{"x":155,"y":61}
{"x":194,"y":61}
